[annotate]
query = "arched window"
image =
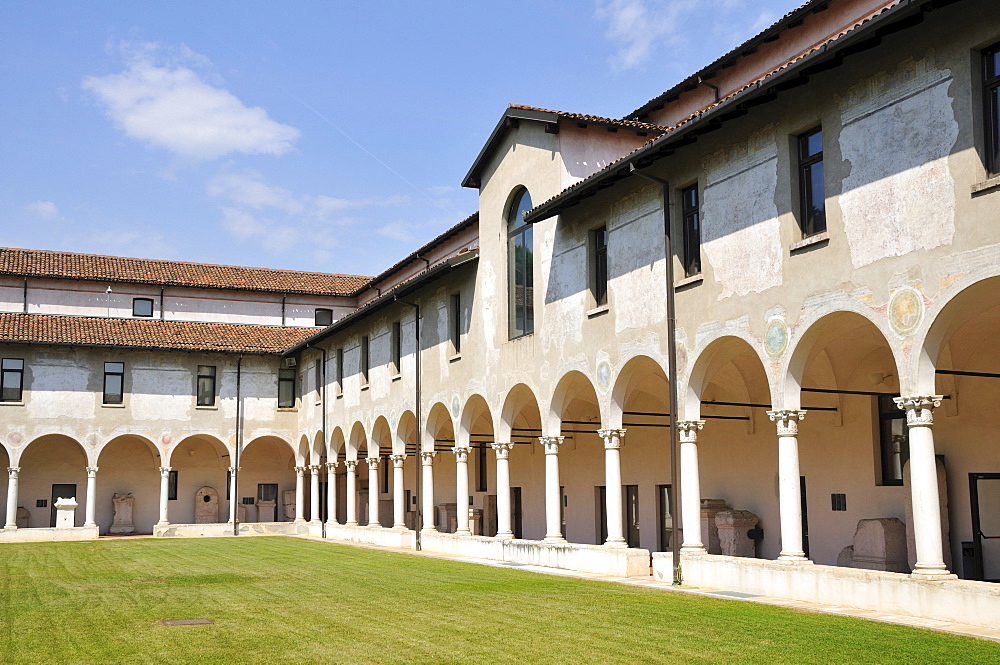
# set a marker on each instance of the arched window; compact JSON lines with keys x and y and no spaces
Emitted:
{"x":520,"y":271}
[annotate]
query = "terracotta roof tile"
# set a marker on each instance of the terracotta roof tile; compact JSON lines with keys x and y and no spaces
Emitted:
{"x":148,"y":334}
{"x":611,"y":122}
{"x":69,"y":265}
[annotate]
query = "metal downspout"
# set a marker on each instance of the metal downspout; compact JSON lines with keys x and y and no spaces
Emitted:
{"x":239,"y":445}
{"x":416,"y":412}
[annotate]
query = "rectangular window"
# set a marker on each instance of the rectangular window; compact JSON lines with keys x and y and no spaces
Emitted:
{"x":455,"y":316}
{"x":324,"y":316}
{"x":384,"y":471}
{"x":894,"y":440}
{"x":286,"y":388}
{"x":12,"y":380}
{"x":318,"y":379}
{"x":691,"y":222}
{"x":481,"y":468}
{"x":206,"y":385}
{"x":365,"y":360}
{"x":397,"y":346}
{"x":267,"y":492}
{"x":599,"y":238}
{"x":838,"y":502}
{"x":114,"y":383}
{"x":142,"y":307}
{"x":172,"y":485}
{"x":991,"y":103}
{"x":812,"y":189}
{"x":340,"y":373}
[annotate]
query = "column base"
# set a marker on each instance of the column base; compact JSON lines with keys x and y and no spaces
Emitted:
{"x":794,"y":558}
{"x":332,"y":524}
{"x":616,"y":543}
{"x":505,"y":535}
{"x":350,"y":523}
{"x":161,"y":524}
{"x":932,"y":573}
{"x":429,"y":529}
{"x":693,"y":549}
{"x":299,"y":520}
{"x":463,"y":532}
{"x":554,"y":540}
{"x":374,"y":526}
{"x":10,"y":527}
{"x":90,"y":524}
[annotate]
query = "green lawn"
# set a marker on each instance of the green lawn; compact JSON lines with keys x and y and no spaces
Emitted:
{"x":284,"y":600}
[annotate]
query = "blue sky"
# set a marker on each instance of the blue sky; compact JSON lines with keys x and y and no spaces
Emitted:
{"x":318,"y":136}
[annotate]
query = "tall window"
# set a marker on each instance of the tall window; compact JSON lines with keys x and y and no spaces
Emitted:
{"x":482,"y":467}
{"x":455,"y":321}
{"x":894,"y":442}
{"x":172,"y":485}
{"x":812,"y":191}
{"x":206,"y":385}
{"x":114,"y":383}
{"x":286,"y":388}
{"x":12,"y":380}
{"x":365,"y":361}
{"x":142,"y":307}
{"x":324,"y":317}
{"x":318,"y":379}
{"x":520,"y":272}
{"x":599,"y":238}
{"x":991,"y":102}
{"x":691,"y":222}
{"x":340,"y":373}
{"x":397,"y":346}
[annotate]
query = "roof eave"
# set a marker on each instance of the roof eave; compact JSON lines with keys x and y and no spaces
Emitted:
{"x":511,"y":113}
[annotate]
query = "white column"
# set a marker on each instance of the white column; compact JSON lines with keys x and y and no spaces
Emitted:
{"x":461,"y":491}
{"x":924,"y":486}
{"x":789,"y":485}
{"x":427,"y":462}
{"x":398,"y":493}
{"x":373,"y":492}
{"x":11,"y":522}
{"x":503,"y":489}
{"x":352,"y":493}
{"x":553,"y":509}
{"x":91,"y":506}
{"x":690,"y":508}
{"x":300,"y":488}
{"x":234,"y":500}
{"x":331,"y":493}
{"x":613,"y":441}
{"x":314,"y":493}
{"x":164,"y":493}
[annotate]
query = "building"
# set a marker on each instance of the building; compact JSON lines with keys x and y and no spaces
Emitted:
{"x":830,"y":191}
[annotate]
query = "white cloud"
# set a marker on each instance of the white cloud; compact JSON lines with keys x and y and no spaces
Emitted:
{"x":44,"y":210}
{"x":398,"y":230}
{"x":161,"y":100}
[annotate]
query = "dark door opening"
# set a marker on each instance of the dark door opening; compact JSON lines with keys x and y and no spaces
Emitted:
{"x":60,"y":491}
{"x":984,"y":489}
{"x":632,"y":515}
{"x":515,"y":509}
{"x":805,"y":516}
{"x":665,"y":511}
{"x":601,"y":498}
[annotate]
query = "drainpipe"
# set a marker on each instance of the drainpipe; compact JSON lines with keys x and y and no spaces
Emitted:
{"x":26,"y":295}
{"x":416,"y":413}
{"x":162,"y":317}
{"x":283,"y":297}
{"x":705,"y":83}
{"x":239,"y":446}
{"x":322,"y":406}
{"x":675,"y":547}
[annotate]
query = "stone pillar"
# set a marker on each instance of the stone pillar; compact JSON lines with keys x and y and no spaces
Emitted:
{"x":90,"y":508}
{"x":352,"y":493}
{"x":427,"y":463}
{"x":503,"y":489}
{"x":924,"y":486}
{"x":553,"y":509}
{"x":373,"y":491}
{"x":300,"y":486}
{"x":398,"y":493}
{"x":11,"y":522}
{"x":462,"y":491}
{"x":234,"y":500}
{"x":690,"y":477}
{"x":164,"y":493}
{"x":789,"y":486}
{"x":314,"y":493}
{"x":613,"y":441}
{"x":331,"y":493}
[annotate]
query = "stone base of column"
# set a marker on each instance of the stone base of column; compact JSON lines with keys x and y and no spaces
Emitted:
{"x":159,"y":525}
{"x":350,"y":523}
{"x":10,"y":527}
{"x":554,"y":540}
{"x":505,"y":535}
{"x":299,"y":520}
{"x":616,"y":543}
{"x":376,"y":525}
{"x":429,"y":529}
{"x":693,"y":549}
{"x":399,"y":527}
{"x":330,"y":524}
{"x":932,"y":573}
{"x":315,"y":522}
{"x":90,"y":524}
{"x":794,"y":558}
{"x":463,"y":532}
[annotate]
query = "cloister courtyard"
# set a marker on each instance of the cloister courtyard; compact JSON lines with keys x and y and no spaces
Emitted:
{"x":284,"y":600}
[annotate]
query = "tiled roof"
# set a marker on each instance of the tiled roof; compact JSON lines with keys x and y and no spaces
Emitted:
{"x":596,"y":119}
{"x":471,"y":220}
{"x":69,"y":265}
{"x":148,"y":334}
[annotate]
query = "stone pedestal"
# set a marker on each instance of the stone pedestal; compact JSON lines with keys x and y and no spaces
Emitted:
{"x":879,"y":544}
{"x":206,"y":506}
{"x":288,"y":502}
{"x":65,"y":513}
{"x":448,"y":517}
{"x":266,"y":511}
{"x":709,"y":530}
{"x":732,"y":527}
{"x":122,"y":522}
{"x":241,"y":513}
{"x":475,"y":521}
{"x":23,"y":518}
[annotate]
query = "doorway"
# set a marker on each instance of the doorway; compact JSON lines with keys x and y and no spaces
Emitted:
{"x":632,"y":515}
{"x":985,"y":494}
{"x":60,"y":491}
{"x":515,"y":508}
{"x":666,"y":518}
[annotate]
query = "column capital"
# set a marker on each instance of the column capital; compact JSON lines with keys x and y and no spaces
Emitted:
{"x":613,"y":438}
{"x":332,"y":466}
{"x":12,"y":471}
{"x":427,"y":457}
{"x":689,"y":430}
{"x":300,"y":470}
{"x":461,"y":454}
{"x":165,"y":471}
{"x":91,"y":471}
{"x":787,"y":420}
{"x":551,"y":444}
{"x":351,"y":464}
{"x":919,"y":409}
{"x":373,"y":463}
{"x":398,"y":460}
{"x":314,"y":468}
{"x":502,"y":449}
{"x":233,"y":469}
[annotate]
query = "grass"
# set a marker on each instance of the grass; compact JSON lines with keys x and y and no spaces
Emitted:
{"x":284,"y":600}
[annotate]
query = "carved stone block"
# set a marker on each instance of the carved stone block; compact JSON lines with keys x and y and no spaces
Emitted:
{"x":206,"y":506}
{"x":122,"y":521}
{"x":65,"y":513}
{"x":880,"y":544}
{"x":732,"y":526}
{"x":709,"y":531}
{"x":23,"y":518}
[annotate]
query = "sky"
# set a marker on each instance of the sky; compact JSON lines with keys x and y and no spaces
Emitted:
{"x":322,"y":136}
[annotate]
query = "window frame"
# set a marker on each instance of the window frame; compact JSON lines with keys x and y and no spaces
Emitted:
{"x":396,"y":342}
{"x":286,"y":375}
{"x":339,"y":387}
{"x":519,"y":231}
{"x":108,"y":398}
{"x":690,"y":230}
{"x":889,"y":413}
{"x":210,"y":378}
{"x":172,"y":482}
{"x":599,"y":265}
{"x":325,"y":311}
{"x":991,"y":108}
{"x":455,"y":323}
{"x":482,"y":469}
{"x":152,"y":309}
{"x":364,"y":362}
{"x":4,"y":371}
{"x":809,"y":223}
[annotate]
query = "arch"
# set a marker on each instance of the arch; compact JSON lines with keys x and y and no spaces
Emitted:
{"x":318,"y":451}
{"x":574,"y":396}
{"x":48,"y":460}
{"x":302,"y":454}
{"x":358,"y":441}
{"x":129,"y":463}
{"x":476,"y":418}
{"x":16,"y":456}
{"x":189,"y":444}
{"x":741,"y":350}
{"x":381,"y":440}
{"x":405,"y":440}
{"x":269,"y":461}
{"x":336,"y":444}
{"x":520,"y":412}
{"x":439,"y":426}
{"x":641,"y":374}
{"x":154,"y":451}
{"x":847,"y":326}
